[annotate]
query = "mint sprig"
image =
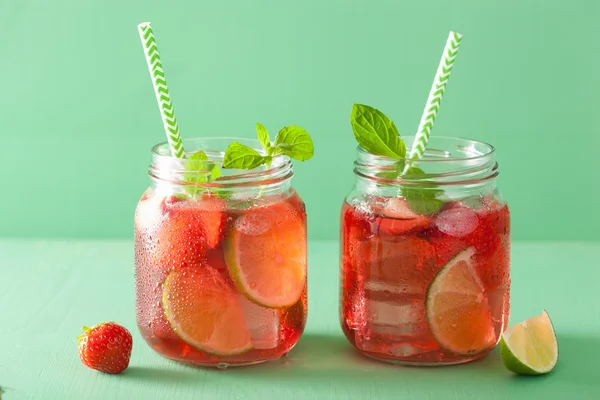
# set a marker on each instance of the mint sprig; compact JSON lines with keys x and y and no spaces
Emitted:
{"x":424,"y":198}
{"x":263,"y":136}
{"x":291,"y":141}
{"x":378,"y":135}
{"x":243,"y":157}
{"x":199,"y":169}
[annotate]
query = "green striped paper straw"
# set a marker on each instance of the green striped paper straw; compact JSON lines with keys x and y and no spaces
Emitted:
{"x":161,"y":90}
{"x":435,"y":95}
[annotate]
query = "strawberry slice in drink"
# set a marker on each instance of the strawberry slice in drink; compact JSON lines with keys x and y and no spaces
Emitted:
{"x":177,"y":233}
{"x":212,"y":218}
{"x":399,"y":219}
{"x":188,"y":229}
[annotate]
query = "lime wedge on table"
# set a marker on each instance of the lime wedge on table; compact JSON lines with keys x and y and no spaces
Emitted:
{"x":265,"y":253}
{"x":458,"y":310}
{"x":205,"y":312}
{"x":530,"y":347}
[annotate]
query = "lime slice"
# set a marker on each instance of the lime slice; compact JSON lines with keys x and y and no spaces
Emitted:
{"x":530,"y":347}
{"x":204,"y":312}
{"x":458,"y":311}
{"x":265,"y":253}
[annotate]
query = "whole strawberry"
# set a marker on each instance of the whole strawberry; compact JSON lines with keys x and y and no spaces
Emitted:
{"x":105,"y":347}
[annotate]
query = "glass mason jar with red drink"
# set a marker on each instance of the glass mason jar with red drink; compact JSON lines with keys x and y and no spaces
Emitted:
{"x":425,"y":255}
{"x":221,"y":260}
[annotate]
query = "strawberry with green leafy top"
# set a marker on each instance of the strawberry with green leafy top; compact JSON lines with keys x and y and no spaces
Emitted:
{"x":105,"y":347}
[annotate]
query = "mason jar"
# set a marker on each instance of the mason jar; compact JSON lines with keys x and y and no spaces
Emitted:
{"x":425,"y":274}
{"x":220,"y":258}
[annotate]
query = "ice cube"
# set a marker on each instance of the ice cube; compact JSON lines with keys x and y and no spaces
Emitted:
{"x":392,"y":313}
{"x":262,"y":322}
{"x":405,"y":288}
{"x":457,"y":221}
{"x":397,"y":207}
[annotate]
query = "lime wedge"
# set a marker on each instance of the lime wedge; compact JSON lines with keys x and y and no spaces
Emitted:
{"x":265,"y":253}
{"x":530,"y":347}
{"x":458,"y":310}
{"x":205,"y":312}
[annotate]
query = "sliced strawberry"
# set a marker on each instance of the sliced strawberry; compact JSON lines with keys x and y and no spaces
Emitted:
{"x":402,"y":226}
{"x":171,"y":233}
{"x":180,"y":238}
{"x":397,"y":207}
{"x":211,"y":214}
{"x":398,"y":218}
{"x":216,"y":259}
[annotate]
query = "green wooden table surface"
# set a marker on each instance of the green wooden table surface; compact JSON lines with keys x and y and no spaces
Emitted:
{"x":51,"y":288}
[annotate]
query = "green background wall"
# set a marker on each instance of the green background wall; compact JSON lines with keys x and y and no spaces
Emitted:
{"x":78,"y":115}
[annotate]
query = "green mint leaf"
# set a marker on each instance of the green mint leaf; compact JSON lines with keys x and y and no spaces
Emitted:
{"x":294,"y":142}
{"x":392,"y":174}
{"x":378,"y":135}
{"x":263,"y":137}
{"x":375,"y":132}
{"x":422,"y":199}
{"x":239,"y":156}
{"x":199,"y":169}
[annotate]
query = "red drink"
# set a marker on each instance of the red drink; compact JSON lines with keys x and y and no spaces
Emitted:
{"x":424,"y":289}
{"x":220,"y":282}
